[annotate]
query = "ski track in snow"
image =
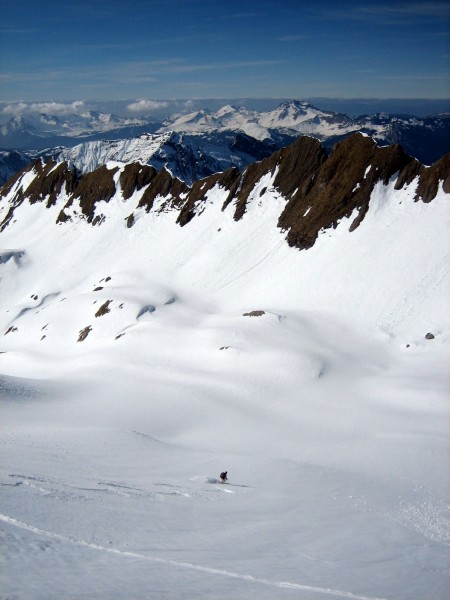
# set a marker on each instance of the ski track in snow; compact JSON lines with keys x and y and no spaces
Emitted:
{"x":53,"y":488}
{"x":185,"y":565}
{"x":253,"y":266}
{"x":434,"y":278}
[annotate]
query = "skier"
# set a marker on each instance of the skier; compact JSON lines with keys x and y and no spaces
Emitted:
{"x":223,"y":477}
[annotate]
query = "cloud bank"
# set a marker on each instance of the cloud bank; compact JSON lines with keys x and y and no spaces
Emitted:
{"x":146,"y":105}
{"x":53,"y":108}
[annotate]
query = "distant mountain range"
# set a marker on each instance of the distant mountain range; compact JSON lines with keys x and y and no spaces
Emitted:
{"x":203,"y":142}
{"x":40,"y":130}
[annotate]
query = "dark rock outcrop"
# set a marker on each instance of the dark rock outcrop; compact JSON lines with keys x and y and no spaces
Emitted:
{"x":134,"y":177}
{"x":92,"y":188}
{"x":429,"y":181}
{"x":227,"y":180}
{"x":48,"y":183}
{"x":165,"y":186}
{"x":344,"y":182}
{"x":130,"y":221}
{"x":104,"y":309}
{"x":82,"y":335}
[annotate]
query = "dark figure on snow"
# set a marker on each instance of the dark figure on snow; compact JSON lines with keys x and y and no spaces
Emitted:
{"x":223,"y":476}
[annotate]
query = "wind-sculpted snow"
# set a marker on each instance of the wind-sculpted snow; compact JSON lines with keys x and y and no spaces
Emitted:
{"x":222,"y":573}
{"x":154,"y":334}
{"x":14,"y":255}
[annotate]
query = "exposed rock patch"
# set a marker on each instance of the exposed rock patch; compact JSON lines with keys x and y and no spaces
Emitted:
{"x":47,"y":185}
{"x":134,"y":177}
{"x":63,"y":217}
{"x":84,"y":333}
{"x":430,"y":178}
{"x":227,"y":180}
{"x":92,"y":188}
{"x":104,"y":309}
{"x":296,"y":166}
{"x":50,"y":182}
{"x":130,"y":220}
{"x":342,"y":183}
{"x":163,"y":185}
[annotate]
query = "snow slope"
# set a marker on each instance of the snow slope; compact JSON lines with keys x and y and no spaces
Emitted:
{"x":227,"y":118}
{"x":215,"y":346}
{"x":88,"y":156}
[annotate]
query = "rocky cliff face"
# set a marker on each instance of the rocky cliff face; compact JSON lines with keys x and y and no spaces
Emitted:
{"x":341,"y":186}
{"x":319,"y":190}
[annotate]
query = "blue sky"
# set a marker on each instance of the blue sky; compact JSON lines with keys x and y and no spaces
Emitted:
{"x":148,"y":49}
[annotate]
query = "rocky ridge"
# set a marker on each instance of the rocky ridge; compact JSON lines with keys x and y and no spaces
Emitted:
{"x":319,"y":189}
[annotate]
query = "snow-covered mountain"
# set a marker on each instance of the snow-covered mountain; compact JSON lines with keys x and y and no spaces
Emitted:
{"x":227,"y":118}
{"x":187,"y":156}
{"x":426,"y":139}
{"x":288,"y":323}
{"x":208,"y":135}
{"x":292,"y":117}
{"x":11,"y":162}
{"x":75,"y":125}
{"x":40,"y":131}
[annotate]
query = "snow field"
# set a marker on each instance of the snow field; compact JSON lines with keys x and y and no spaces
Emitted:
{"x":333,"y":431}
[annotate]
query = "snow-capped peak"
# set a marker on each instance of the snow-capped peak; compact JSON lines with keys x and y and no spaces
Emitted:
{"x":16,"y":124}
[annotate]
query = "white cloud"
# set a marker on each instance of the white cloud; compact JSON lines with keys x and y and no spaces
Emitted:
{"x":15,"y":109}
{"x":53,"y":108}
{"x":146,"y":105}
{"x":59,"y":108}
